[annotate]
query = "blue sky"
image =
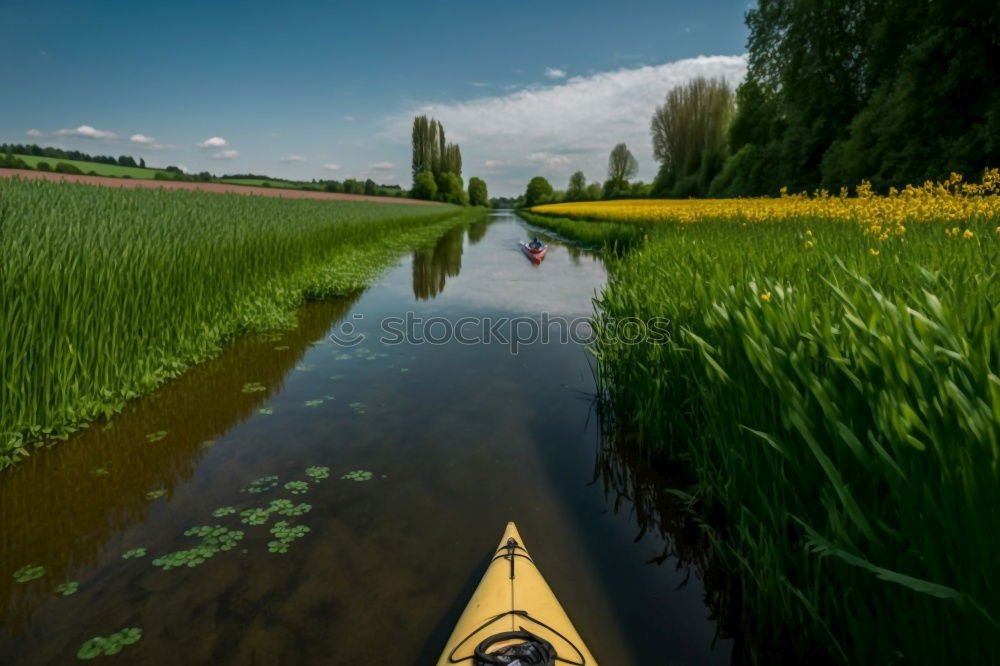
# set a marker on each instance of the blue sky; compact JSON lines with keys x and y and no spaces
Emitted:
{"x":326,"y":90}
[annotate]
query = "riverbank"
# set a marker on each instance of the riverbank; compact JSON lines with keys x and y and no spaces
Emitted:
{"x":832,"y":386}
{"x":109,"y":292}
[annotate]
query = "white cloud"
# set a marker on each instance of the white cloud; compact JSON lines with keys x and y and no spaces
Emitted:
{"x":87,"y":132}
{"x":33,"y":132}
{"x":293,"y":158}
{"x":494,"y":164}
{"x":228,"y":154}
{"x":383,"y":166}
{"x":214,"y":142}
{"x":148,"y":142}
{"x":331,"y":167}
{"x":556,"y":129}
{"x":555,"y":73}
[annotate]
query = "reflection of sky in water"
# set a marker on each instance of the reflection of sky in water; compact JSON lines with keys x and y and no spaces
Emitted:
{"x":497,"y":277}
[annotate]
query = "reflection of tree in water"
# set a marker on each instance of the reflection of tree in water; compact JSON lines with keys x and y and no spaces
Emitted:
{"x":62,"y":507}
{"x":634,"y":482}
{"x":477,"y":230}
{"x":433,"y":265}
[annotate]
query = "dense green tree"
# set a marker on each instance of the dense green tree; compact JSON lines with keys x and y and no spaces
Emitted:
{"x":477,"y":192}
{"x":689,"y":136}
{"x":424,"y":186}
{"x":539,"y":191}
{"x":621,"y":167}
{"x":370,"y":188}
{"x":142,"y":163}
{"x":577,"y":190}
{"x":451,"y":189}
{"x":593,"y":192}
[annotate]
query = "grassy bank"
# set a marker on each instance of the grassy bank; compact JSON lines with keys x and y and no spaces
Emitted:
{"x":833,"y":382}
{"x":99,"y":169}
{"x":590,"y":234}
{"x":107,"y":293}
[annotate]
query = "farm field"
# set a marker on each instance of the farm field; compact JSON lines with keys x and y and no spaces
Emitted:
{"x":112,"y":291}
{"x":831,"y":377}
{"x":98,"y":168}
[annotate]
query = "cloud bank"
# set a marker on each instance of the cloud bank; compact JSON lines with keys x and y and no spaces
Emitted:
{"x":87,"y":132}
{"x":557,"y":129}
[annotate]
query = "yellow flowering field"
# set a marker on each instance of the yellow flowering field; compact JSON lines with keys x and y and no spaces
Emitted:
{"x":960,"y":204}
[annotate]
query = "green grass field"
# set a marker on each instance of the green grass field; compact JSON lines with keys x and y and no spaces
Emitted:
{"x":99,"y":169}
{"x":109,"y":292}
{"x":262,"y":182}
{"x":839,"y":409}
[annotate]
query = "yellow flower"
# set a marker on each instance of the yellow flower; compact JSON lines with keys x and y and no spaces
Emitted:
{"x":809,"y":233}
{"x":766,"y":296}
{"x":809,"y":243}
{"x":873,"y":251}
{"x":968,"y":234}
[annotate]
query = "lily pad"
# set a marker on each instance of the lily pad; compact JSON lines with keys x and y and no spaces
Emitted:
{"x":267,"y":411}
{"x":214,"y":539}
{"x":304,"y":367}
{"x":156,"y":494}
{"x":99,"y":471}
{"x":297,"y":487}
{"x":358,"y":407}
{"x":313,"y":403}
{"x":284,"y":535}
{"x":261,"y":485}
{"x":317,"y":473}
{"x":135,"y":552}
{"x":223,"y":511}
{"x":111,"y":645}
{"x":282,"y":348}
{"x":358,"y":475}
{"x":68,"y":588}
{"x":253,"y":387}
{"x":29,"y":572}
{"x":156,"y":436}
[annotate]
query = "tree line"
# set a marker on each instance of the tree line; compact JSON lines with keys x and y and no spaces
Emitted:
{"x":60,"y":154}
{"x":436,"y":167}
{"x":836,"y":92}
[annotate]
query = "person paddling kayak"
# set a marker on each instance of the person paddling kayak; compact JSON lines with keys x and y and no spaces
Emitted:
{"x":535,"y":244}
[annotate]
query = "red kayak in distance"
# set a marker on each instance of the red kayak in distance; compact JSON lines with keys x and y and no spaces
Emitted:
{"x":536,"y":255}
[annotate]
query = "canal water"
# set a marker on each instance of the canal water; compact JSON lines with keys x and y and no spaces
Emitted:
{"x":404,"y":454}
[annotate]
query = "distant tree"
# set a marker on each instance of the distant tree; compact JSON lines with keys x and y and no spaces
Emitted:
{"x":477,"y":192}
{"x":621,"y":167}
{"x":43,"y":166}
{"x":689,"y":133}
{"x":173,"y":169}
{"x":452,"y":160}
{"x":539,"y":191}
{"x":577,"y":190}
{"x":66,"y":167}
{"x":205,"y":177}
{"x":424,"y":186}
{"x":142,"y":163}
{"x":353,"y":186}
{"x":451,"y":189}
{"x":593,"y":192}
{"x":333,"y":186}
{"x":126,"y":161}
{"x":370,"y":188}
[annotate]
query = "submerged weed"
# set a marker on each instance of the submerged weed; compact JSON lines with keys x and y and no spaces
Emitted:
{"x":156,"y":436}
{"x":156,"y":494}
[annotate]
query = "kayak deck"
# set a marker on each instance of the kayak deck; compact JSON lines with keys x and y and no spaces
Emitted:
{"x":513,"y":596}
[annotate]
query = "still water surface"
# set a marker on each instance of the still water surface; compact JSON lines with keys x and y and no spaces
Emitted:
{"x":458,"y":438}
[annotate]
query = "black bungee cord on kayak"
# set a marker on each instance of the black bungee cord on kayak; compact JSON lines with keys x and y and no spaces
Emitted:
{"x":531,"y":651}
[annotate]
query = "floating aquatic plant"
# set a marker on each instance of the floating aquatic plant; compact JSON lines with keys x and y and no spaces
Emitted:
{"x":313,"y":403}
{"x":110,"y":645}
{"x":223,"y":511}
{"x":265,"y":410}
{"x":328,"y":396}
{"x":297,"y":487}
{"x":214,"y":539}
{"x":284,"y":507}
{"x":284,"y":535}
{"x":256,"y":516}
{"x":317,"y":473}
{"x":253,"y":387}
{"x":29,"y":572}
{"x":304,"y":367}
{"x":261,"y":485}
{"x":358,"y":475}
{"x":99,"y":471}
{"x":282,"y":348}
{"x":156,"y":494}
{"x":135,"y":552}
{"x":404,"y":369}
{"x":68,"y":588}
{"x":358,"y":407}
{"x":156,"y":436}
